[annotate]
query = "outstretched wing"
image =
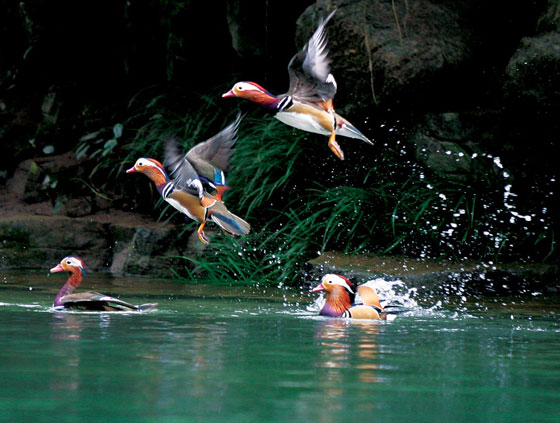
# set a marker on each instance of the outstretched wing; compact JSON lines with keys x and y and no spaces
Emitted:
{"x":309,"y":69}
{"x":216,"y":152}
{"x":185,"y":177}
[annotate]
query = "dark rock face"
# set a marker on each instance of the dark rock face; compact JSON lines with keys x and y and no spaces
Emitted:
{"x":465,"y":79}
{"x":531,"y":72}
{"x":105,"y":243}
{"x":417,"y":54}
{"x":441,"y":278}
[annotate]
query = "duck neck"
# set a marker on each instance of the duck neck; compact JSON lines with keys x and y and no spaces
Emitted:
{"x":69,"y":287}
{"x":266,"y":100}
{"x":159,"y":178}
{"x":337,"y":302}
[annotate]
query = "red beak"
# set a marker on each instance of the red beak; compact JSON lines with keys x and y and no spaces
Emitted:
{"x":230,"y":93}
{"x":132,"y":169}
{"x":57,"y":269}
{"x":318,"y":288}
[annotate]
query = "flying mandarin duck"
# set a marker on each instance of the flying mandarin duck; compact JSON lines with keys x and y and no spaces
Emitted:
{"x":340,"y":299}
{"x":93,"y":301}
{"x":308,"y":104}
{"x":199,"y":182}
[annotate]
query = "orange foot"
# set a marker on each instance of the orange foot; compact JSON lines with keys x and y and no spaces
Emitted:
{"x":201,"y":234}
{"x":335,"y":148}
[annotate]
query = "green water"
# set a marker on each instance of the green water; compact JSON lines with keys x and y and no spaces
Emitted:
{"x":227,"y":354}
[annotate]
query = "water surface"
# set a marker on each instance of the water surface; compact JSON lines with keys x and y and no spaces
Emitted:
{"x":232,"y":354}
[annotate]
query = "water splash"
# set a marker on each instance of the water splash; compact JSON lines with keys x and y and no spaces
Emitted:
{"x":394,"y":293}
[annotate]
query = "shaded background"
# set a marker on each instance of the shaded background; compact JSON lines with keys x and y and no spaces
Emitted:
{"x":461,"y":93}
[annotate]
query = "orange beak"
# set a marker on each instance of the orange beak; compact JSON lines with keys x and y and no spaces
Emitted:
{"x":57,"y":269}
{"x":132,"y":169}
{"x":230,"y":93}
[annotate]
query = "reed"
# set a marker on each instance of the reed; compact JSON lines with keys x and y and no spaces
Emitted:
{"x":301,"y":201}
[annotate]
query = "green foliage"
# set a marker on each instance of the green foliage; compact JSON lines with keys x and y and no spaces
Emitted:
{"x":301,"y":200}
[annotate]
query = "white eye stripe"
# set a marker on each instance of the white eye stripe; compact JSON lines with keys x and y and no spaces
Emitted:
{"x":336,"y":280}
{"x":71,"y":261}
{"x":243,"y":86}
{"x":145,"y":162}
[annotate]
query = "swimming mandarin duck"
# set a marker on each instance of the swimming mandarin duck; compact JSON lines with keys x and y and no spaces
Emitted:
{"x":340,"y":299}
{"x":308,"y":104}
{"x":66,"y":299}
{"x":199,"y":182}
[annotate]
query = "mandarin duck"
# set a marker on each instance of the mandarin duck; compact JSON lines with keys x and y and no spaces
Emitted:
{"x":308,"y":104}
{"x":340,"y":299}
{"x":66,"y":299}
{"x":199,"y":182}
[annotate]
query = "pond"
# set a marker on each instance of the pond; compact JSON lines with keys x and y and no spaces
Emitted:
{"x":215,"y":353}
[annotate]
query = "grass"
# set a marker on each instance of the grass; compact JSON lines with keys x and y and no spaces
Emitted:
{"x":301,"y":201}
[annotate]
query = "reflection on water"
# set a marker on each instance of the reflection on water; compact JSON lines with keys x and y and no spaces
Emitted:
{"x":347,"y":347}
{"x":217,"y":355}
{"x":66,"y":327}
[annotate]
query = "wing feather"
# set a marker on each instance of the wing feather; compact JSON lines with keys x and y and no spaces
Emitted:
{"x":84,"y":298}
{"x":309,"y":69}
{"x":201,"y":160}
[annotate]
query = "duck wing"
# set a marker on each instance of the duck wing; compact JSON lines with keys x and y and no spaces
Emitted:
{"x":185,"y":176}
{"x":309,"y":69}
{"x":216,"y":152}
{"x":207,"y":160}
{"x":99,"y":302}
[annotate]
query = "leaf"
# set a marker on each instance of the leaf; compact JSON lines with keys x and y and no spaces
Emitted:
{"x":109,"y":145}
{"x":118,"y":130}
{"x":90,"y":136}
{"x":48,"y":149}
{"x":82,"y":150}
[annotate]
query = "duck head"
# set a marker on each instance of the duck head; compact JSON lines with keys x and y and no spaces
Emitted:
{"x":332,"y":282}
{"x":151,"y":168}
{"x":339,"y":294}
{"x":72,"y":265}
{"x":253,"y":92}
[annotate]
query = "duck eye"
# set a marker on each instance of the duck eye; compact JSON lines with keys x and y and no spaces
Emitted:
{"x":140,"y":164}
{"x":68,"y":262}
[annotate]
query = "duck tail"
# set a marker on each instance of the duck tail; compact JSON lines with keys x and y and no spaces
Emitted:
{"x":346,"y":129}
{"x":147,"y":307}
{"x":226,"y":220}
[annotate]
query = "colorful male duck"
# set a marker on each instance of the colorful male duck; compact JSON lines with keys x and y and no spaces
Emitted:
{"x":340,"y":298}
{"x":201,"y":170}
{"x":66,"y":299}
{"x":308,"y":104}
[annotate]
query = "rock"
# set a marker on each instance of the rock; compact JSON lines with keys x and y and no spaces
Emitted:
{"x":35,"y":180}
{"x":77,"y":207}
{"x":50,"y":107}
{"x":451,"y":144}
{"x":386,"y":53}
{"x":417,"y":55}
{"x":441,"y":277}
{"x":36,"y":242}
{"x":531,"y":74}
